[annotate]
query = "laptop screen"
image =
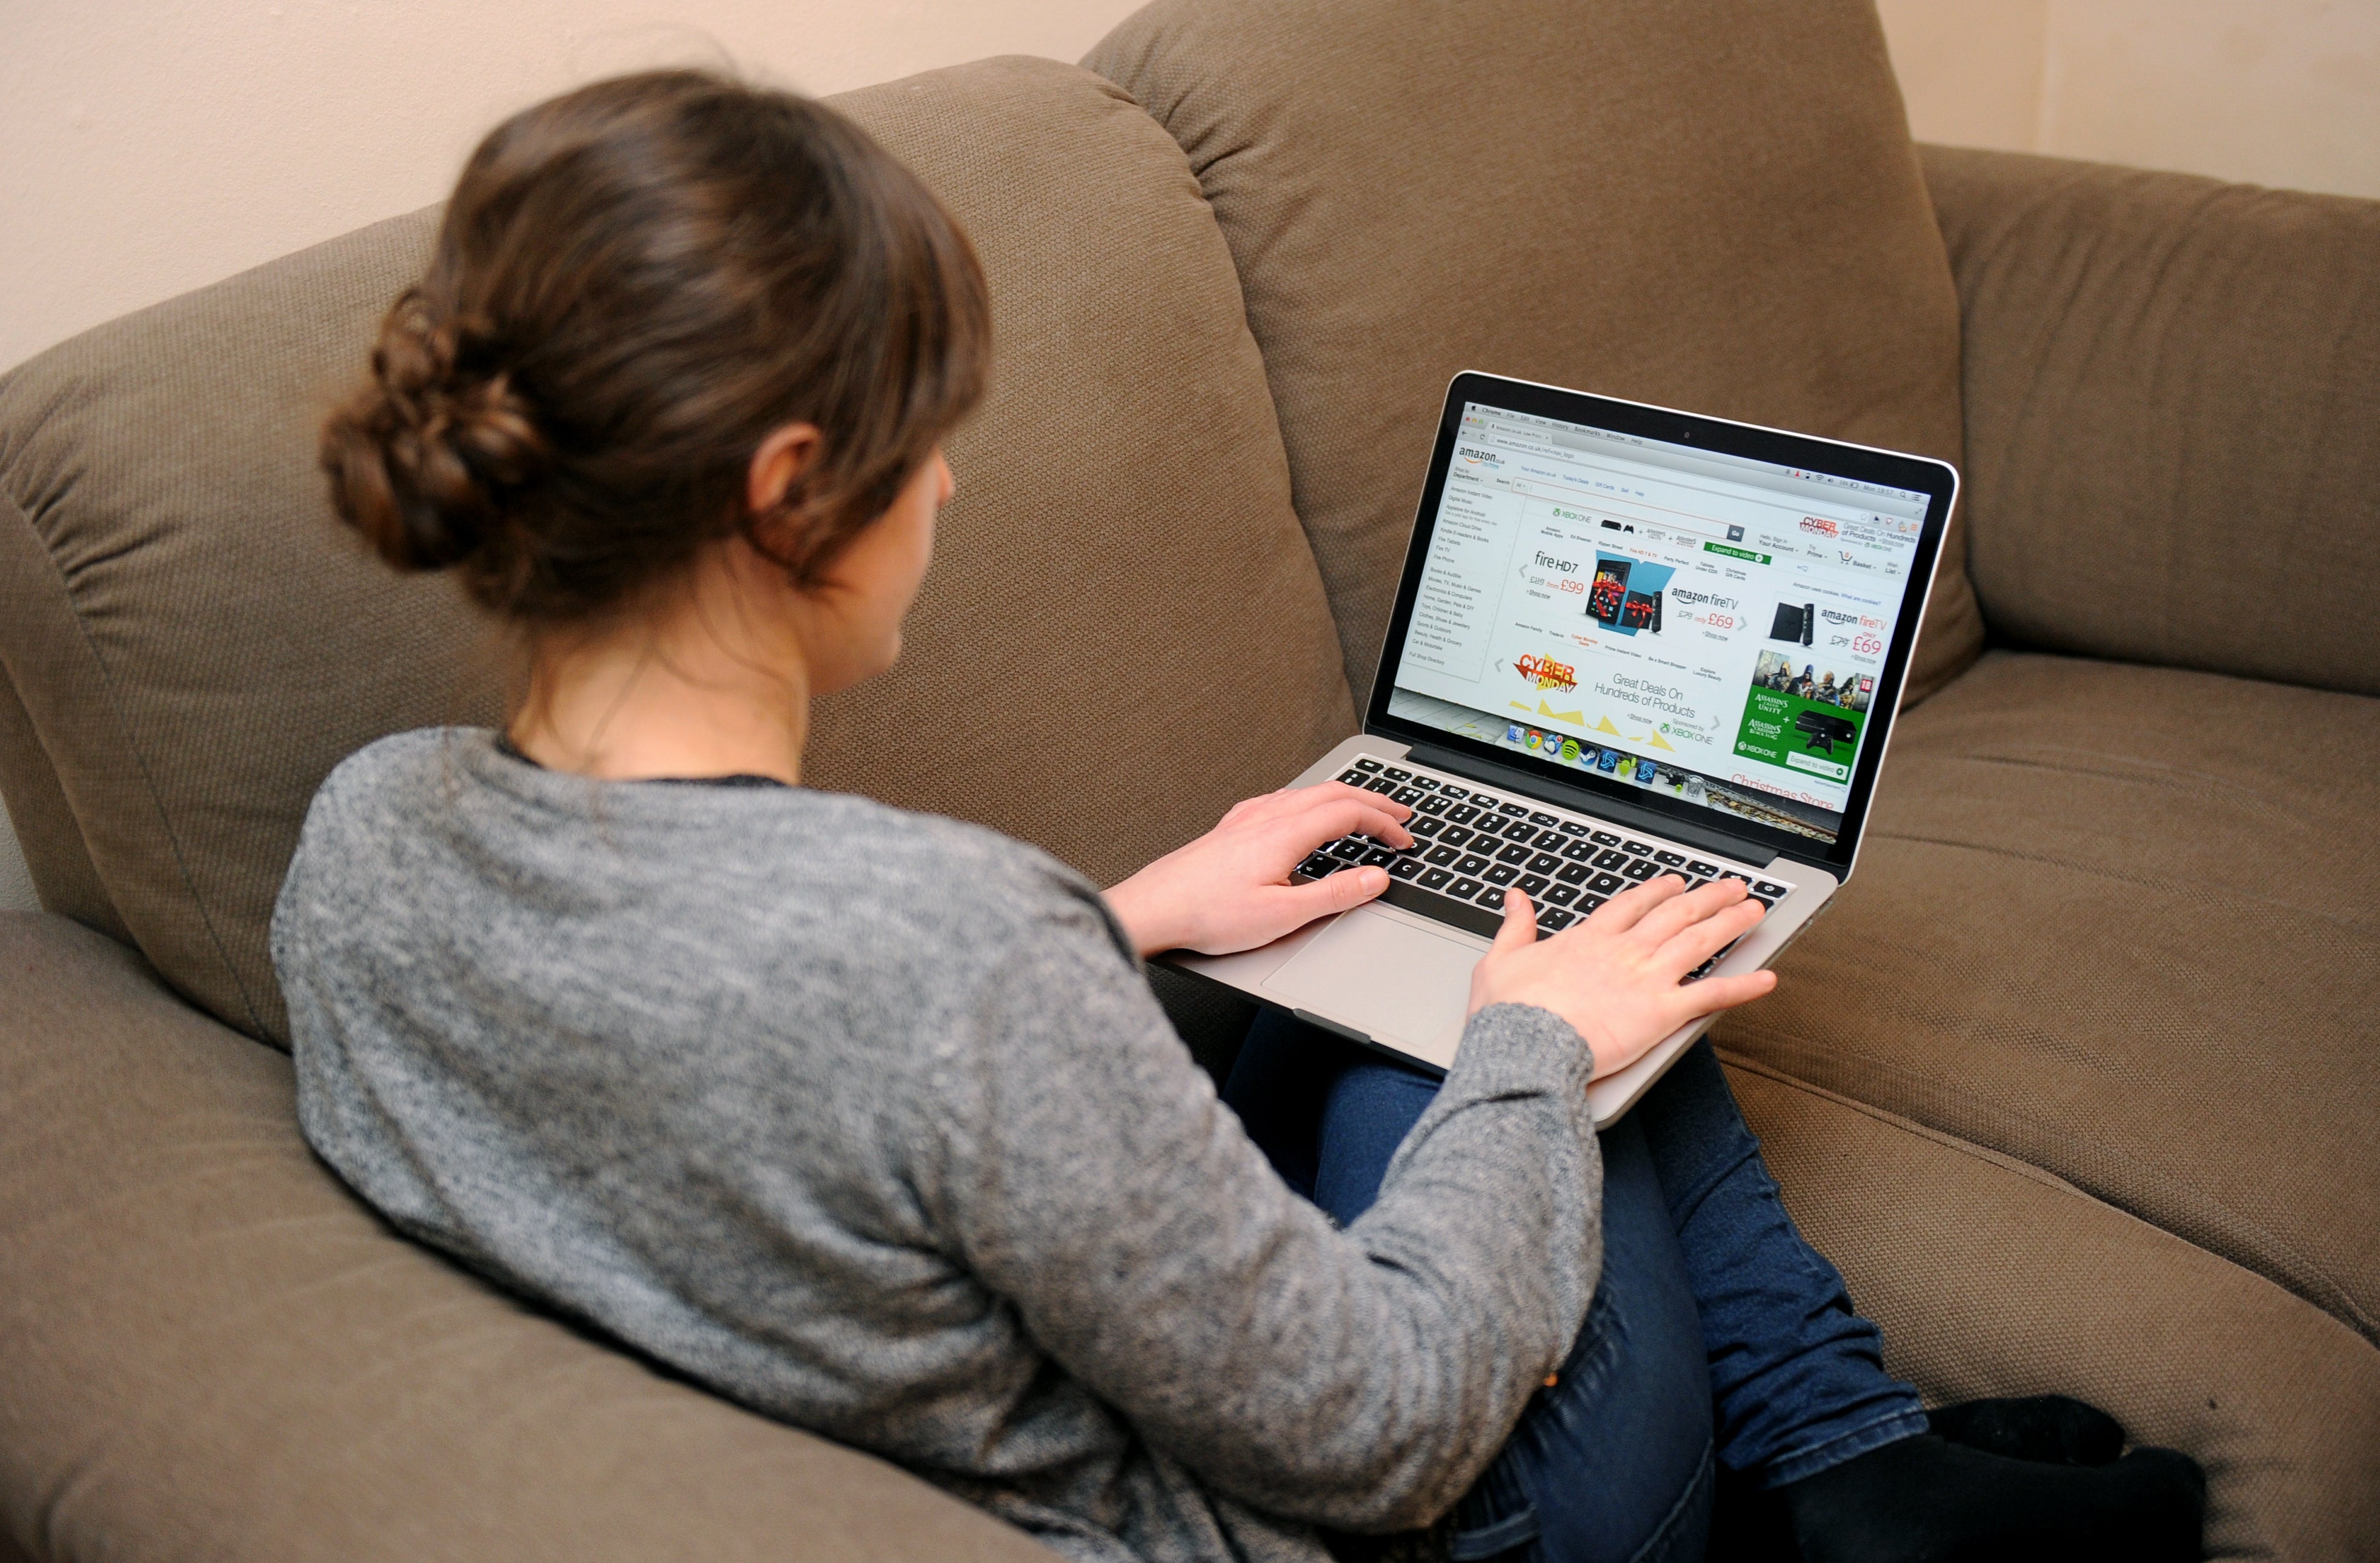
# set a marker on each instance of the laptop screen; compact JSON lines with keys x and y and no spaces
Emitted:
{"x":1684,"y":622}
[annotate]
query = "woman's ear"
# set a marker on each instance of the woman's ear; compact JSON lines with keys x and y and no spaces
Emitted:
{"x":781,"y":459}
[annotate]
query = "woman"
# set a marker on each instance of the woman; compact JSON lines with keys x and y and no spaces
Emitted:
{"x":869,"y":1120}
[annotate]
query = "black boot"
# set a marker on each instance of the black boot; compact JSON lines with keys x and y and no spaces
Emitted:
{"x":1928,"y":1500}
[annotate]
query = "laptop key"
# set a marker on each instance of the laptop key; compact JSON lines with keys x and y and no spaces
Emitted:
{"x":1552,"y":920}
{"x":1406,"y":868}
{"x":1533,"y":885}
{"x":1483,"y":801}
{"x":1579,"y":852}
{"x":1587,"y":903}
{"x":1704,"y":869}
{"x":1463,"y":890}
{"x":1432,"y":805}
{"x":1448,"y":789}
{"x":1455,"y":835}
{"x":1424,"y":783}
{"x":1492,"y":898}
{"x":1544,"y":820}
{"x":1378,"y":857}
{"x":1604,"y":838}
{"x":1512,"y":809}
{"x":1463,"y":814}
{"x":1520,"y":830}
{"x":1517,"y":853}
{"x":1638,"y":870}
{"x":1562,"y":895}
{"x":1501,"y":874}
{"x":1423,"y":825}
{"x":1381,"y":785}
{"x":1353,"y":777}
{"x":1319,"y":866}
{"x":1670,"y":859}
{"x":1443,"y":856}
{"x":1607,"y":884}
{"x":1393,"y":774}
{"x":1367,"y":764}
{"x":1407,"y":795}
{"x":1349,"y":847}
{"x":1614,"y":859}
{"x":1551,"y":840}
{"x":1436,"y":879}
{"x":1544,"y":863}
{"x":1573,"y":874}
{"x":1571,"y":828}
{"x":1472,"y":864}
{"x":1642,"y":849}
{"x":1765,"y":887}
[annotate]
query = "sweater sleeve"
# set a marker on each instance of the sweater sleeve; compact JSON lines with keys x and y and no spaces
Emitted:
{"x":1359,"y":1378}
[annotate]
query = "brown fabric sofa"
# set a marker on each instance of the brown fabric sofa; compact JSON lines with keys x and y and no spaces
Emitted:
{"x":2074,"y":1084}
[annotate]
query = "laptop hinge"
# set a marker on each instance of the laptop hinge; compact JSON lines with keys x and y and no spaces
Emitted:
{"x":1618,"y":810}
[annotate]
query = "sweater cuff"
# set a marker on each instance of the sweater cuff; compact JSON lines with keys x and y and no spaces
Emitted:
{"x":1510,"y":1048}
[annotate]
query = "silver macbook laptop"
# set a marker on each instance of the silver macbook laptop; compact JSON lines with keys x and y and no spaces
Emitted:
{"x":1627,"y":641}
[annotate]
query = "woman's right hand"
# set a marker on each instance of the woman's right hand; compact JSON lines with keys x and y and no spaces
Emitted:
{"x":1619,"y":975}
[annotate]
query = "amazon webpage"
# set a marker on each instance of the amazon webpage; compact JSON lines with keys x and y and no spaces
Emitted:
{"x":1700,"y":624}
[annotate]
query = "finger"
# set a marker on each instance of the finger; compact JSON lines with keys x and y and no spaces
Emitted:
{"x":1711,"y":995}
{"x":1349,"y":887}
{"x":1339,"y":791}
{"x":1628,"y":908}
{"x":1520,"y":929}
{"x":1343,"y":817}
{"x":1705,"y":937}
{"x":1691,"y":907}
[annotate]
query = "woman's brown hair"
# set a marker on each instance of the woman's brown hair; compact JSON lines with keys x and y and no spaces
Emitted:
{"x":634,"y":283}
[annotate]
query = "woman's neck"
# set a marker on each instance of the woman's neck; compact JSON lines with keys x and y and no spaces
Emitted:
{"x":696,"y":688}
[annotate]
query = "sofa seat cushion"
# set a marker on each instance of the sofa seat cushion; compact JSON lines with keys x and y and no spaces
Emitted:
{"x":1124,"y":634}
{"x":1992,"y":1278}
{"x":2123,"y":923}
{"x":1709,"y":204}
{"x":210,"y":1348}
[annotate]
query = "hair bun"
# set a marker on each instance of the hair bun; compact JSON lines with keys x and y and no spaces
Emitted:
{"x":425,"y":459}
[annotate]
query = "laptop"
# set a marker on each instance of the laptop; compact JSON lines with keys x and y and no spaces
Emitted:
{"x":1627,"y":641}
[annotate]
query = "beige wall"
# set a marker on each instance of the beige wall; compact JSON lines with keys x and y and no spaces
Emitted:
{"x":146,"y":149}
{"x":2275,"y":91}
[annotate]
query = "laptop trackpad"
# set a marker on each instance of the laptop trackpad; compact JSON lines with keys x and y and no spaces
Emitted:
{"x":1399,"y":983}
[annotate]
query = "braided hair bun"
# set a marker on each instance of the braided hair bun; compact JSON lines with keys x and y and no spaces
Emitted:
{"x":634,"y":284}
{"x":428,"y":457}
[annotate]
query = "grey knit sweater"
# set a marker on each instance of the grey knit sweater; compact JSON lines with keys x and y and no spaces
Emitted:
{"x":870,"y":1122}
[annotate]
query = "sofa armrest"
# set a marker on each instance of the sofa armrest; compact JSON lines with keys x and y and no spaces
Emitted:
{"x":2172,"y":393}
{"x":209,"y":1348}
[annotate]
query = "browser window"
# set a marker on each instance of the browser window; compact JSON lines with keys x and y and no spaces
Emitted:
{"x":1706,"y":625}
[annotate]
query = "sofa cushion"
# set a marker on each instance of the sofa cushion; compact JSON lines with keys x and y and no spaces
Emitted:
{"x":1124,"y":634}
{"x":1991,"y":1278}
{"x":210,"y":1348}
{"x":2173,"y":415}
{"x":2123,"y":923}
{"x":1709,"y":204}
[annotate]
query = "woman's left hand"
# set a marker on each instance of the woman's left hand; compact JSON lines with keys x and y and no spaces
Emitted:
{"x":1230,"y":888}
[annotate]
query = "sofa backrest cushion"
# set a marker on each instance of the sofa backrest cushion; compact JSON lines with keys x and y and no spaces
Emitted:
{"x":2173,"y":415}
{"x":1708,"y":204}
{"x":1124,"y":633}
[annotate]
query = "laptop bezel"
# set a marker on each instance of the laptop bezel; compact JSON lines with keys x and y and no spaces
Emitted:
{"x":1936,"y":479}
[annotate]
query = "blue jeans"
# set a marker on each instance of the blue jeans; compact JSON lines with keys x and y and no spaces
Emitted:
{"x":1715,"y":1332}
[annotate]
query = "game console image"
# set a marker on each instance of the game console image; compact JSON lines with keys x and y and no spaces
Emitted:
{"x":1797,"y":626}
{"x":1821,"y":733}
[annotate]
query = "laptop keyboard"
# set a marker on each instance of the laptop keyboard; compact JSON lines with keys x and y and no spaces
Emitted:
{"x":1470,"y":846}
